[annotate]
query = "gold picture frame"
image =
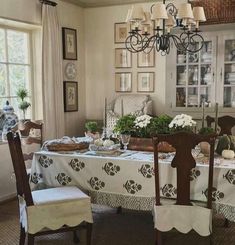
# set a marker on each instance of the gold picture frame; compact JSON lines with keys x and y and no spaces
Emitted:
{"x":146,"y":59}
{"x":70,"y":96}
{"x":123,"y":82}
{"x":121,"y":31}
{"x":145,"y":82}
{"x":123,"y":58}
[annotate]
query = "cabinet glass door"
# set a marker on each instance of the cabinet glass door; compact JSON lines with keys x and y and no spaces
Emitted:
{"x":195,"y":77}
{"x":229,"y":73}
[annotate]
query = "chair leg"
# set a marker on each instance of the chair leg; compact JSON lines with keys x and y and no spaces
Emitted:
{"x":30,"y":239}
{"x":22,"y":235}
{"x":76,"y":239}
{"x":226,"y":223}
{"x":158,"y":238}
{"x":89,"y":233}
{"x":211,"y":239}
{"x":119,"y":210}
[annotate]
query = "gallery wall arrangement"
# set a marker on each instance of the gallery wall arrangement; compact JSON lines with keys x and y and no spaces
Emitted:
{"x":69,"y":41}
{"x":125,"y":67}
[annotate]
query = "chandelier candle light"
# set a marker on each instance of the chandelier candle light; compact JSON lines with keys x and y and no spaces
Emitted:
{"x":166,"y":18}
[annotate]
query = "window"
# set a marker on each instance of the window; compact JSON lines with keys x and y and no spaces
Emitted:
{"x":15,"y":66}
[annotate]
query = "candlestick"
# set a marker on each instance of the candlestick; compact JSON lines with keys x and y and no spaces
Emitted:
{"x":203,"y":112}
{"x":122,"y":108}
{"x":105,"y":112}
{"x":216,"y":116}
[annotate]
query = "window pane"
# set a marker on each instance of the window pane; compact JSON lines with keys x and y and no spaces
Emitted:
{"x":2,"y":46}
{"x":17,"y":47}
{"x":3,"y":80}
{"x":18,"y":77}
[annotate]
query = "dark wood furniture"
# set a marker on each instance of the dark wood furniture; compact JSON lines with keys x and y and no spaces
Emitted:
{"x":27,"y":130}
{"x":23,"y":190}
{"x":226,"y":123}
{"x":183,"y":161}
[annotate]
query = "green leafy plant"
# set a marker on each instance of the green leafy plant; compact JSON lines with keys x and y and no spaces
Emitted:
{"x":206,"y":131}
{"x":125,"y":124}
{"x":22,"y":93}
{"x":160,"y":125}
{"x":91,"y":126}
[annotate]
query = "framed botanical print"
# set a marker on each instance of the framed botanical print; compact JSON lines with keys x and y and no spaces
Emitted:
{"x":145,"y":82}
{"x":123,"y":82}
{"x":146,"y":60}
{"x":123,"y":58}
{"x":69,"y":43}
{"x":121,"y":31}
{"x":70,"y":96}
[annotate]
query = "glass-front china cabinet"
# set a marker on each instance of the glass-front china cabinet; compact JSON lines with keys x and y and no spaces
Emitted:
{"x":208,"y":75}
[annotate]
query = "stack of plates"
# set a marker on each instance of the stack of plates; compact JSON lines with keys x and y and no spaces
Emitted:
{"x":230,"y":77}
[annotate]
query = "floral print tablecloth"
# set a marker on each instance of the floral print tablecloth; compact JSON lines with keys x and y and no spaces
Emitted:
{"x":128,"y":180}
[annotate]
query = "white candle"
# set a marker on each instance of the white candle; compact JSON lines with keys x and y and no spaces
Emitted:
{"x":216,"y":116}
{"x":203,"y":112}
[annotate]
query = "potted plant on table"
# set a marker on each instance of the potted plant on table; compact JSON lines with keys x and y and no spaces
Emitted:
{"x":22,"y":93}
{"x":92,"y":130}
{"x":142,"y":129}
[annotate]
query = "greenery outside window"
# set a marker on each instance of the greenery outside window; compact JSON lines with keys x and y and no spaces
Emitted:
{"x":15,"y":66}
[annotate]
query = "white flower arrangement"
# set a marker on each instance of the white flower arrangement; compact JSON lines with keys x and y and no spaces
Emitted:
{"x":142,"y":121}
{"x":182,"y":121}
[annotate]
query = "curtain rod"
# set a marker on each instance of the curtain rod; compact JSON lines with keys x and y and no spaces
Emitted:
{"x":48,"y":2}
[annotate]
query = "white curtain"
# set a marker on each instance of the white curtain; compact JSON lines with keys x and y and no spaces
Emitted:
{"x":52,"y":78}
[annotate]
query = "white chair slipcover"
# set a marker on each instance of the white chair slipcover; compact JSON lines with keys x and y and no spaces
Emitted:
{"x":54,"y":208}
{"x":183,"y":218}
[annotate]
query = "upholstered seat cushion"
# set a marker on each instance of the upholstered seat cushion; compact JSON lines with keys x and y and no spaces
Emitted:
{"x":53,"y":208}
{"x":57,"y":195}
{"x":183,"y":218}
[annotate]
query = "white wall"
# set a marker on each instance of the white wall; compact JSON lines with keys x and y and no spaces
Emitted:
{"x":72,"y":16}
{"x":100,"y":68}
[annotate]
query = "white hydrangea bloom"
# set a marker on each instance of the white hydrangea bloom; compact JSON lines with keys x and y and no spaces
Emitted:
{"x":182,"y":121}
{"x":142,"y":121}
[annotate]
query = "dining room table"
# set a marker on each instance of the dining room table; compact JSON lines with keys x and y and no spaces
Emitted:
{"x":126,"y":178}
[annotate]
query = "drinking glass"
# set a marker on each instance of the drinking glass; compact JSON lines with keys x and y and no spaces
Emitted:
{"x":125,"y":138}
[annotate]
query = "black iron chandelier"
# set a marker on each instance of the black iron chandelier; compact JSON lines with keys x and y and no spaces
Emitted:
{"x":166,"y":18}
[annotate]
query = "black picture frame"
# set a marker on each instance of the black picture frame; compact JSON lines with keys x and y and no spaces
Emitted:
{"x":70,"y":96}
{"x":69,"y":39}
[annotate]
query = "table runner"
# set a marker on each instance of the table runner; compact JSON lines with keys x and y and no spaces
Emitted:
{"x":128,"y":180}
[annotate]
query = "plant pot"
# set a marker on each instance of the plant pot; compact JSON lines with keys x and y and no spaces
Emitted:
{"x":94,"y":136}
{"x":146,"y":144}
{"x":205,"y":148}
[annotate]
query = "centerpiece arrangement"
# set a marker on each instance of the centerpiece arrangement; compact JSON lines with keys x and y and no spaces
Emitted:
{"x":142,"y":129}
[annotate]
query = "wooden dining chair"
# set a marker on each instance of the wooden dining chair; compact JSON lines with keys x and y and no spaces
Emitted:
{"x":226,"y":123}
{"x":170,"y":216}
{"x":50,"y":210}
{"x":31,"y":136}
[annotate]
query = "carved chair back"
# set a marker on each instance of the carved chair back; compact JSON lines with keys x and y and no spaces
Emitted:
{"x":226,"y":123}
{"x":184,"y":162}
{"x":27,"y":137}
{"x":22,"y":182}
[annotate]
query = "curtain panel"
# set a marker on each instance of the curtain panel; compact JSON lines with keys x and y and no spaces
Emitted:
{"x":52,"y":77}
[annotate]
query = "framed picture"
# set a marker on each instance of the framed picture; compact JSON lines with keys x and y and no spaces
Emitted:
{"x":123,"y":58}
{"x":121,"y":31}
{"x":69,"y":43}
{"x":145,"y":82}
{"x":146,"y":60}
{"x":70,"y":96}
{"x":123,"y":82}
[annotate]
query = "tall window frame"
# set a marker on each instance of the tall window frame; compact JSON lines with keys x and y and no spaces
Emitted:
{"x":28,"y":65}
